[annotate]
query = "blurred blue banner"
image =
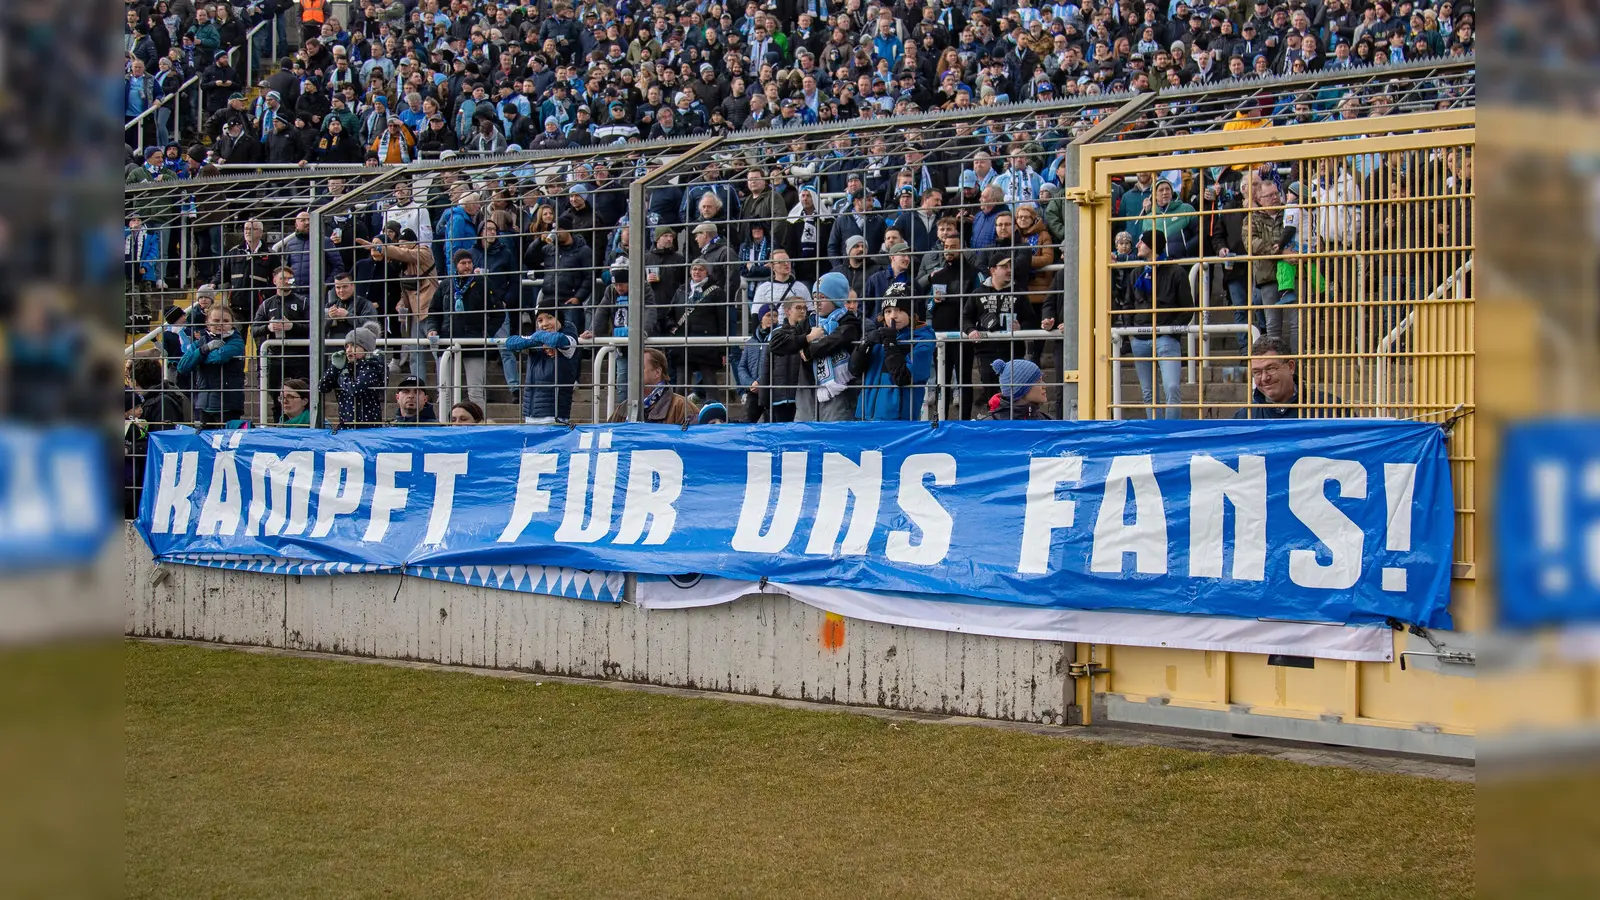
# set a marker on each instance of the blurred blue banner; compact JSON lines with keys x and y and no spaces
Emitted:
{"x":53,"y":497}
{"x":1547,"y":524}
{"x":1343,"y":521}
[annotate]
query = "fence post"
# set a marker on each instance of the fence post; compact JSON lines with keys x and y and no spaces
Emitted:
{"x":1072,"y":242}
{"x":637,"y":244}
{"x":314,"y":313}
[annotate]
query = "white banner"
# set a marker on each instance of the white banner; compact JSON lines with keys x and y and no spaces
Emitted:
{"x":1132,"y":629}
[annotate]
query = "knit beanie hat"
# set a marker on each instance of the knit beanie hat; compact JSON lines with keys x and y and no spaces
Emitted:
{"x":835,"y":287}
{"x":1016,"y":377}
{"x":711,"y":413}
{"x":365,"y":337}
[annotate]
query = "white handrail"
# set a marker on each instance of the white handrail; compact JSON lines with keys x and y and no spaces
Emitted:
{"x":1193,"y":333}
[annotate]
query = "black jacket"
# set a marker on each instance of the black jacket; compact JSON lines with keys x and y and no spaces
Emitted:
{"x":958,"y":277}
{"x":1171,"y":291}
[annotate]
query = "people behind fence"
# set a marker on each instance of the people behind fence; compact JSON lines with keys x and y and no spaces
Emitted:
{"x":803,"y":277}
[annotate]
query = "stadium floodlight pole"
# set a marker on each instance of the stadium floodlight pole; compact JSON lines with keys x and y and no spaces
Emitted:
{"x":638,"y":237}
{"x":314,"y":289}
{"x":1071,"y":311}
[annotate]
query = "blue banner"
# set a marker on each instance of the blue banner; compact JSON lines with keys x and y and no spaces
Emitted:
{"x":1547,"y":524}
{"x":55,"y":500}
{"x":1340,"y":520}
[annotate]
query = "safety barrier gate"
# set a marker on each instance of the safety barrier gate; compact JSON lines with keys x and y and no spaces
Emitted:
{"x":1377,"y":307}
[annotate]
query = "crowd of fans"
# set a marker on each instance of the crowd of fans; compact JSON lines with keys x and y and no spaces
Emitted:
{"x":804,"y":278}
{"x":403,"y":78}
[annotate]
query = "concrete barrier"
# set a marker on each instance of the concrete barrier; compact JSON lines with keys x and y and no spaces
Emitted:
{"x":767,"y":645}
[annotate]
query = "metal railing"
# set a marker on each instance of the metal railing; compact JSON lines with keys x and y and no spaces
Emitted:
{"x":137,"y":123}
{"x":645,"y":175}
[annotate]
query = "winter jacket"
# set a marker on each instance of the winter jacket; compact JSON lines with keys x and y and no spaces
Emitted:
{"x":297,"y":311}
{"x":890,"y":368}
{"x":1170,"y":286}
{"x":360,"y":386}
{"x":549,"y":371}
{"x":752,"y":365}
{"x":608,"y":317}
{"x":218,"y":373}
{"x":958,"y":277}
{"x":419,"y":281}
{"x":296,"y":251}
{"x":458,"y":232}
{"x":566,"y":271}
{"x":700,"y":313}
{"x":1263,"y":236}
{"x":787,"y":370}
{"x":358,"y":312}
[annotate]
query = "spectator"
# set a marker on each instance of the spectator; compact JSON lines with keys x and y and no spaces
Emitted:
{"x":661,"y":404}
{"x":1161,"y":295}
{"x":344,"y":309}
{"x":214,"y":355}
{"x":356,"y":377}
{"x":465,"y":321}
{"x":1264,"y":236}
{"x":990,"y":207}
{"x":550,"y":368}
{"x":1275,"y":389}
{"x":295,"y":251}
{"x":780,"y":286}
{"x":893,"y":362}
{"x":418,"y":284}
{"x":751,"y":369}
{"x":467,"y":413}
{"x":294,"y":402}
{"x":827,"y":348}
{"x":898,"y":272}
{"x":412,"y":405}
{"x":699,"y":310}
{"x":568,"y":279}
{"x":712,"y":414}
{"x":285,"y":317}
{"x":997,"y":309}
{"x":1021,"y":392}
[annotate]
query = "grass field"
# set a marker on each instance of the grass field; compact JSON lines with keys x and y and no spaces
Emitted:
{"x":258,"y":776}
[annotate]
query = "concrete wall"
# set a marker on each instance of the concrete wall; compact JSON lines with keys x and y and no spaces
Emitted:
{"x":772,"y":646}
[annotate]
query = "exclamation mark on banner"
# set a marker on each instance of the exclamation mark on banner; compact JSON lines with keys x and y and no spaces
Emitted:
{"x":1550,"y":523}
{"x":1399,"y":483}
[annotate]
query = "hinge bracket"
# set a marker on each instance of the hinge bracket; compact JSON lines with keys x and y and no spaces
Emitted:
{"x":1086,"y":196}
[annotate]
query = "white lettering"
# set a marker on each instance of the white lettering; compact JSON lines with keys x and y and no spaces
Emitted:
{"x":655,"y":479}
{"x":386,"y":498}
{"x":344,"y":479}
{"x":1146,"y":538}
{"x":1045,"y":514}
{"x":444,"y":468}
{"x":924,"y":511}
{"x":573,"y":529}
{"x":841,"y":481}
{"x":531,"y":499}
{"x":748,"y":537}
{"x":1309,"y":502}
{"x":178,"y":471}
{"x":224,"y":498}
{"x":1212,"y":485}
{"x":292,"y":470}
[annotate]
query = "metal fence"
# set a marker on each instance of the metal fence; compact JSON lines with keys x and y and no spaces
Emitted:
{"x":567,"y":285}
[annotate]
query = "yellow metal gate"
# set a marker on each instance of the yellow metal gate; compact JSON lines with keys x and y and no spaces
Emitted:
{"x":1380,"y":320}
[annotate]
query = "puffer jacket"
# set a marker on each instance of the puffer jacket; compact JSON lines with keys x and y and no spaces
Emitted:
{"x":549,"y":371}
{"x":218,"y":374}
{"x":360,"y":388}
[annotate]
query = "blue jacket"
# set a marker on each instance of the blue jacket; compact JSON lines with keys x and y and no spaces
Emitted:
{"x":296,"y":252}
{"x":218,"y":374}
{"x":983,"y":227}
{"x":547,"y":380}
{"x":458,"y":233}
{"x":147,"y":250}
{"x":752,"y":365}
{"x":891,"y":381}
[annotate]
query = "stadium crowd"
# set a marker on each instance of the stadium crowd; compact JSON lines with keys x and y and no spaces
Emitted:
{"x":806,"y":277}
